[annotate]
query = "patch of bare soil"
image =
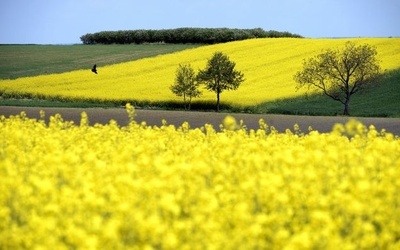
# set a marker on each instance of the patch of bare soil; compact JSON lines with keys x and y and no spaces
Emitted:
{"x":198,"y":119}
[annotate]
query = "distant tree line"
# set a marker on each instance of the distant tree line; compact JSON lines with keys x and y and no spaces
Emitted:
{"x":180,"y":35}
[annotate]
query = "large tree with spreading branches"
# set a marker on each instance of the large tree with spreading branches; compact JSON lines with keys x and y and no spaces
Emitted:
{"x":340,"y":73}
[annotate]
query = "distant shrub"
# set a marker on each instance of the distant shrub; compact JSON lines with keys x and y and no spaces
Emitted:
{"x":180,"y":35}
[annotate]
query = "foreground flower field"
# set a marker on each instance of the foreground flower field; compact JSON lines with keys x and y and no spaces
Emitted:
{"x":75,"y":186}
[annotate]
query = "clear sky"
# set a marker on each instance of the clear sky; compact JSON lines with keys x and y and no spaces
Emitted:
{"x":64,"y":21}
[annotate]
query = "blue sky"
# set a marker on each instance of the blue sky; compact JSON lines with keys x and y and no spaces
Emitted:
{"x":64,"y":21}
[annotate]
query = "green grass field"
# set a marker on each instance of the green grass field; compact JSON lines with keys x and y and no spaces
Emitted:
{"x":382,"y":100}
{"x":32,"y":60}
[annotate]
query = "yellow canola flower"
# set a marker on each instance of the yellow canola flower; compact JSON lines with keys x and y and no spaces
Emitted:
{"x":267,"y":64}
{"x":78,"y":186}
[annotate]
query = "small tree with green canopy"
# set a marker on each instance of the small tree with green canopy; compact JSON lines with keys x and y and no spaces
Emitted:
{"x":340,"y":74}
{"x":185,"y":84}
{"x":220,"y":75}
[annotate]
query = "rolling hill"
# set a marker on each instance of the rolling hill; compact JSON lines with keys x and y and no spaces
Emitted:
{"x":268,"y":66}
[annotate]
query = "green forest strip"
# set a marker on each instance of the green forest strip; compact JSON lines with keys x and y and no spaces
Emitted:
{"x":181,"y":36}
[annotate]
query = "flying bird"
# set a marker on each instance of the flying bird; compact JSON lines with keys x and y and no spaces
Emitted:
{"x":94,"y":70}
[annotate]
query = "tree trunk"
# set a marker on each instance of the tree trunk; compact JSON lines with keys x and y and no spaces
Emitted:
{"x":218,"y":101}
{"x":346,"y":108}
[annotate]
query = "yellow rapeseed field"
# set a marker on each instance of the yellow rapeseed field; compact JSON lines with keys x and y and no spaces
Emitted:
{"x":75,"y":186}
{"x":268,"y":66}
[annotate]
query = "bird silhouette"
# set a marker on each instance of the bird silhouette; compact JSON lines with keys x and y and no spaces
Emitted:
{"x":94,"y":70}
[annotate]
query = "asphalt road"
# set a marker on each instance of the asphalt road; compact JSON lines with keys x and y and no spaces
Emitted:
{"x":198,"y":119}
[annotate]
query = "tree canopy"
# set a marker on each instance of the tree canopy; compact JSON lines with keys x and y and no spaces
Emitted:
{"x":340,"y":73}
{"x":220,"y":75}
{"x":185,"y":84}
{"x":180,"y":35}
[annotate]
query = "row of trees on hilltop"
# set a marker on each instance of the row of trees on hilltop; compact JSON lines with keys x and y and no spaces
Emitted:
{"x":180,"y":35}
